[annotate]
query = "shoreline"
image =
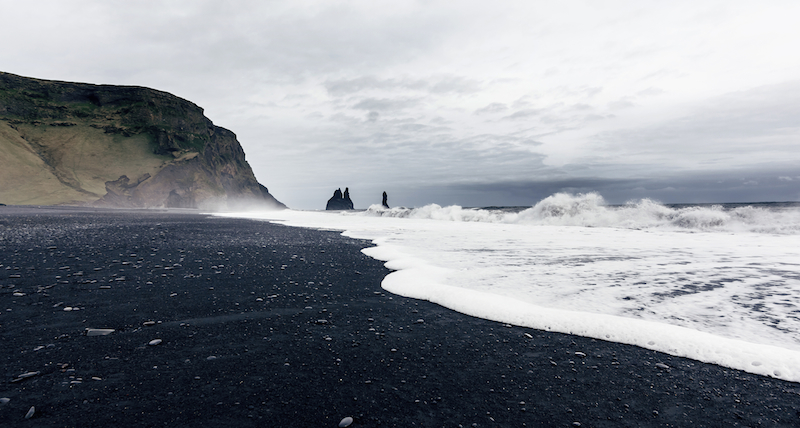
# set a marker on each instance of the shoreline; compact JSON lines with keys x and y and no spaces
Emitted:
{"x":330,"y":343}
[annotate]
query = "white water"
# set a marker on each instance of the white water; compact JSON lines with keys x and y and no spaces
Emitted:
{"x":713,"y":284}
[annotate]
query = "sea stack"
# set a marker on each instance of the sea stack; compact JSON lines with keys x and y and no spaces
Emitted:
{"x":340,"y":201}
{"x":117,"y":146}
{"x":385,"y":202}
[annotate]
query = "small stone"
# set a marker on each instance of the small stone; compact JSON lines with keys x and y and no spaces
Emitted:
{"x":68,"y":309}
{"x":211,"y":357}
{"x":30,"y":413}
{"x":346,"y":422}
{"x":420,"y":321}
{"x":4,"y":400}
{"x":148,"y":323}
{"x":655,"y":412}
{"x":99,"y":331}
{"x":580,"y":354}
{"x":154,"y":342}
{"x":28,"y":374}
{"x":662,"y":366}
{"x":576,"y":424}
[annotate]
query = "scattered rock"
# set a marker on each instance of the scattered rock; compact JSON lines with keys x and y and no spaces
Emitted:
{"x":30,"y":413}
{"x":346,"y":422}
{"x":580,"y":354}
{"x":662,"y":366}
{"x":148,"y":323}
{"x":4,"y":400}
{"x":99,"y":331}
{"x":154,"y":342}
{"x":25,"y":376}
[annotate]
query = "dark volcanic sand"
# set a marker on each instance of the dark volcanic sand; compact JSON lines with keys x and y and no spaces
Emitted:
{"x":302,"y":336}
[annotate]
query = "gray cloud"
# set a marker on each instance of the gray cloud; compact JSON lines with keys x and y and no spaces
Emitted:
{"x":454,"y":101}
{"x":434,"y":85}
{"x":523,"y":114}
{"x":385,"y":104}
{"x":735,"y":129}
{"x":492,"y":108}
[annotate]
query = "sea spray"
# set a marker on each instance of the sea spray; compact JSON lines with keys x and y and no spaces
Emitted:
{"x":719,"y":284}
{"x":590,"y":210}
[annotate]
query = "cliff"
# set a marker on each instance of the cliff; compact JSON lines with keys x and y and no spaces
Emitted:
{"x":118,"y":146}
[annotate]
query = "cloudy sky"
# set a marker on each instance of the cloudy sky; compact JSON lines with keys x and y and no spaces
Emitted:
{"x":458,"y":102}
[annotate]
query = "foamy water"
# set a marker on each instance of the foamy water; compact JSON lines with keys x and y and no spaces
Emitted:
{"x":716,"y":284}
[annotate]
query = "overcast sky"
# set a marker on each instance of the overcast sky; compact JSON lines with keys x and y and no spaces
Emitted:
{"x":457,"y":102}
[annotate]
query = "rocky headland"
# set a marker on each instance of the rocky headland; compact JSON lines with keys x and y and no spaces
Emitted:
{"x":117,"y":146}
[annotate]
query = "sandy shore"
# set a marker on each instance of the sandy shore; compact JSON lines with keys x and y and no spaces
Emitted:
{"x":230,"y":322}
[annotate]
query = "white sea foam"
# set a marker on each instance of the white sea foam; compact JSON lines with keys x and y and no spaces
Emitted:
{"x":693,"y":282}
{"x":590,"y":210}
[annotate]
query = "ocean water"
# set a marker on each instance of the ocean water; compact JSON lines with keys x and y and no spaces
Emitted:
{"x":715,"y":283}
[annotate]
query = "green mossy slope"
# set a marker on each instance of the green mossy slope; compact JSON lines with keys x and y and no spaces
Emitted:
{"x":75,"y":143}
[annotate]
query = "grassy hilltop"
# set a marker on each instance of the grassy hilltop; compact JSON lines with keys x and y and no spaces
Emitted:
{"x":75,"y":143}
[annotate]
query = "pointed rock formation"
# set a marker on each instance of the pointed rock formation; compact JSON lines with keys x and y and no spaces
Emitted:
{"x":340,"y":201}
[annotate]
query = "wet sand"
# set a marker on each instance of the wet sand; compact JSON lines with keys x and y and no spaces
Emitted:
{"x":267,"y":325}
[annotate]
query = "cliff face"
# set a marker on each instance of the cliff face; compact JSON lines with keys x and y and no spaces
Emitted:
{"x":121,"y":146}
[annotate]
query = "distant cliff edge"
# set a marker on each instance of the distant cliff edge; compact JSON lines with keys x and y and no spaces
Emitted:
{"x":117,"y":146}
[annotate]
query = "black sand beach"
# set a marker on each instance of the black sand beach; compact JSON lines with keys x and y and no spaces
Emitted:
{"x":266,"y":325}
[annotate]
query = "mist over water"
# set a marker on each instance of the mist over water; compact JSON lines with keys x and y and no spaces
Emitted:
{"x":717,"y":283}
{"x":590,"y":210}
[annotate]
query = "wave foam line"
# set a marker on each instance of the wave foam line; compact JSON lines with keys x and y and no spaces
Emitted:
{"x":591,"y":210}
{"x":416,"y":279}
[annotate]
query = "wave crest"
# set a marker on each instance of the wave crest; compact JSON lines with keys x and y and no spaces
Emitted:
{"x":591,"y":210}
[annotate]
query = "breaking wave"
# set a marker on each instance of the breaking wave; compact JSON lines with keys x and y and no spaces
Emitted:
{"x":591,"y":210}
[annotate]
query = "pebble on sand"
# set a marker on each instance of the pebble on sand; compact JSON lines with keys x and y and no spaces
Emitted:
{"x":30,"y":413}
{"x":99,"y":331}
{"x":154,"y":342}
{"x":346,"y":422}
{"x":4,"y":400}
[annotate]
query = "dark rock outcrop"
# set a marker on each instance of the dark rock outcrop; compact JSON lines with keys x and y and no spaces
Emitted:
{"x":385,"y":201}
{"x":340,"y":201}
{"x":178,"y":156}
